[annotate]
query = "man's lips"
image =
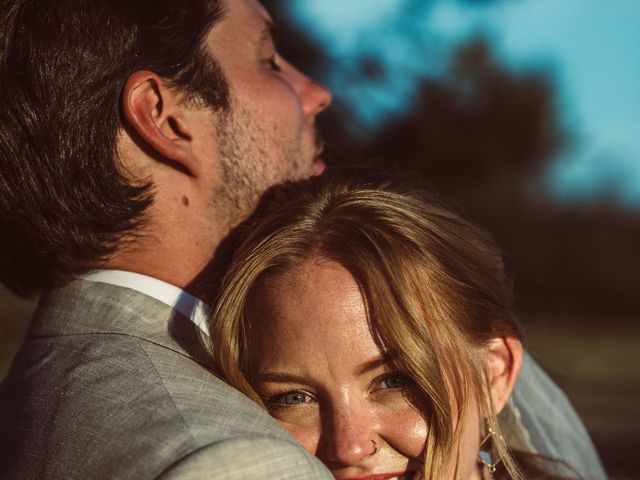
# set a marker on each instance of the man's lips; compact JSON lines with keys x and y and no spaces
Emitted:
{"x":319,"y":143}
{"x":319,"y":164}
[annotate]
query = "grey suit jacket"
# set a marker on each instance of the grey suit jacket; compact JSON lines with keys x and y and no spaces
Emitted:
{"x":104,"y":388}
{"x":552,"y":426}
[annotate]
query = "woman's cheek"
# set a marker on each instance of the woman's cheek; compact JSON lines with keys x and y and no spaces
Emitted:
{"x":307,"y":433}
{"x":406,"y":432}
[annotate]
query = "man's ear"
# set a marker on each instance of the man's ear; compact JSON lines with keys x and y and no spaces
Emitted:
{"x":504,"y":361}
{"x":156,"y":113}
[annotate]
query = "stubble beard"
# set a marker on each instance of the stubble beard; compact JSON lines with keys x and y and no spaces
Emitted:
{"x":252,"y":159}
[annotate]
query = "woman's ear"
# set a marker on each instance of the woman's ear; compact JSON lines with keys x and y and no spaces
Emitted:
{"x":156,"y":112}
{"x":504,"y":361}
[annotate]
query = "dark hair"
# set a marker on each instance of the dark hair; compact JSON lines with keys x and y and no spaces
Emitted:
{"x":64,"y":203}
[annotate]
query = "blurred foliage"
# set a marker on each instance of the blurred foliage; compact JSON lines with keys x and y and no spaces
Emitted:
{"x":480,"y":126}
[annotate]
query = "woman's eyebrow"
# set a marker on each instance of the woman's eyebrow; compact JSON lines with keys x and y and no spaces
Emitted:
{"x":279,"y":377}
{"x":372,"y":364}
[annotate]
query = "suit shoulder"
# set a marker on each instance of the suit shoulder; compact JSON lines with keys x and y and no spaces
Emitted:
{"x":204,"y":402}
{"x":242,"y":458}
{"x":115,"y":397}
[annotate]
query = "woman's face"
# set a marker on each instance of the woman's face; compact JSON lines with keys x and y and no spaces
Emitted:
{"x":320,"y":373}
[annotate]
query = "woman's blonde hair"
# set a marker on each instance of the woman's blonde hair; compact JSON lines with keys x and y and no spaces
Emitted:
{"x":435,"y":288}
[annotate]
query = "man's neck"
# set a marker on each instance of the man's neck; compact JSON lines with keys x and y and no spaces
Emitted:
{"x":193,"y":270}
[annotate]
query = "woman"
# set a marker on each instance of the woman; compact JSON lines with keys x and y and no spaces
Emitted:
{"x":375,"y":324}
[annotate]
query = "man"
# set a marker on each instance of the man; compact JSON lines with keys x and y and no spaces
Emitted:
{"x":134,"y":136}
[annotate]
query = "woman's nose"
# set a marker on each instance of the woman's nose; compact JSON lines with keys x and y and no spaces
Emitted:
{"x":352,"y":436}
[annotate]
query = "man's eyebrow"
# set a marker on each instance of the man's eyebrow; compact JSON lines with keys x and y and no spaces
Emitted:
{"x":268,"y":33}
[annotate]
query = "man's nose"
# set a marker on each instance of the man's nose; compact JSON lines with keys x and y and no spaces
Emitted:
{"x":352,"y":436}
{"x":315,"y":98}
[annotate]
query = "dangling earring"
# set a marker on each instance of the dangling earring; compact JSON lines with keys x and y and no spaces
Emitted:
{"x":486,"y":454}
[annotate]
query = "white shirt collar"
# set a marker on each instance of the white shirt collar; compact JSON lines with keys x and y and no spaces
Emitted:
{"x":191,"y":307}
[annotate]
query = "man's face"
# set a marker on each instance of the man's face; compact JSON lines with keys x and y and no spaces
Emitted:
{"x":269,"y":135}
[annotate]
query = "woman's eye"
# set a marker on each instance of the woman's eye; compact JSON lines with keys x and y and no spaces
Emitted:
{"x":292,"y":398}
{"x":394,"y":380}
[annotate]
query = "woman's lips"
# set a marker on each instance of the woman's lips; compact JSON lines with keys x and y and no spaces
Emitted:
{"x":385,"y":476}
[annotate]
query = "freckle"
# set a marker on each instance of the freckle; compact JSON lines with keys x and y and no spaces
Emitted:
{"x":185,"y":201}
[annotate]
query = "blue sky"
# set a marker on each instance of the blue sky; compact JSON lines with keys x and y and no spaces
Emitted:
{"x":590,"y":47}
